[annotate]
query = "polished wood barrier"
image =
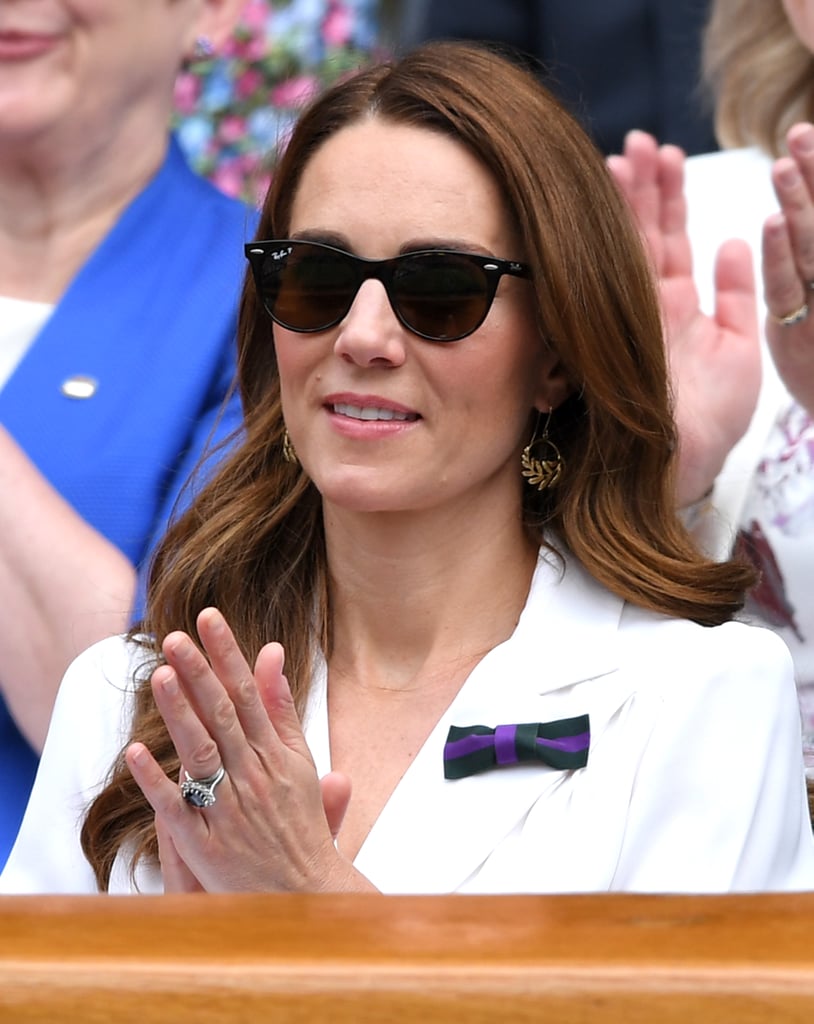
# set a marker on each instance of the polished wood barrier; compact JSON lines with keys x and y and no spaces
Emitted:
{"x":615,"y":959}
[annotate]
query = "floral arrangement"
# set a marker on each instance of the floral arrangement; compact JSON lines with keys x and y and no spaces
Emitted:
{"x":235,"y":108}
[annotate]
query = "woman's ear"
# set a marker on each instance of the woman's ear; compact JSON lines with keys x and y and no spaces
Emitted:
{"x":554,"y":390}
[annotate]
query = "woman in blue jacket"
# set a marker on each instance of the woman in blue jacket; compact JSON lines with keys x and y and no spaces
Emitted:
{"x":119,"y":274}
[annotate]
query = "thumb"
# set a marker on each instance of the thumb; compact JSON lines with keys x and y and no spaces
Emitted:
{"x":175,"y":874}
{"x":336,"y":789}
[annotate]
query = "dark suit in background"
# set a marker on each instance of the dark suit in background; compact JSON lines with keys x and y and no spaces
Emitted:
{"x":616,"y":64}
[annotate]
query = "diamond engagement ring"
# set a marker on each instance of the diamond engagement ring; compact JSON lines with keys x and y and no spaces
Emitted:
{"x":201,"y":792}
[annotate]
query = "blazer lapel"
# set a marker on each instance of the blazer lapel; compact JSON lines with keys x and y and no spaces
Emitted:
{"x":434,"y":833}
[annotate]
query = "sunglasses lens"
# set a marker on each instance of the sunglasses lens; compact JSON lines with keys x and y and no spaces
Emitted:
{"x":443,"y":297}
{"x":309,"y":288}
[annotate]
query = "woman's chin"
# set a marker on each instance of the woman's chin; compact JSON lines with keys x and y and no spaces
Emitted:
{"x":366,"y":490}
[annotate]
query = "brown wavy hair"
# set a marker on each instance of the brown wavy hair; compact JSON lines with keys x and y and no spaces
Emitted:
{"x":252,"y":542}
{"x":760,"y":76}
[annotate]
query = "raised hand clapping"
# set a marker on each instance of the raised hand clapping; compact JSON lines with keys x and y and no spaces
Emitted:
{"x":714,"y":360}
{"x":788,"y":267}
{"x":271,"y":823}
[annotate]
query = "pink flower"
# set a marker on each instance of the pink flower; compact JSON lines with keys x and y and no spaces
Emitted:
{"x":230,"y":48}
{"x":254,"y":14}
{"x":248,"y":83}
{"x":294,"y":91}
{"x":187,"y":91}
{"x":256,"y":48}
{"x":228,"y":178}
{"x":337,"y":27}
{"x":231,"y":129}
{"x":245,"y":41}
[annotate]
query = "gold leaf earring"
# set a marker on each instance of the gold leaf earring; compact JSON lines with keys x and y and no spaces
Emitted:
{"x":289,"y":452}
{"x":542,"y":463}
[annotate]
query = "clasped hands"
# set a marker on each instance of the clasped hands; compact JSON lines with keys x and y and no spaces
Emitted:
{"x":274,"y":822}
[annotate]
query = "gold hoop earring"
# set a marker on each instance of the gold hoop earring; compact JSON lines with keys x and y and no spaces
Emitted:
{"x":542,"y":471}
{"x":289,"y":452}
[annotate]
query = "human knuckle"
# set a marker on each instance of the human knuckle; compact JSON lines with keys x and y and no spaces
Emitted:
{"x":244,"y":693}
{"x":202,"y":757}
{"x":223,"y":713}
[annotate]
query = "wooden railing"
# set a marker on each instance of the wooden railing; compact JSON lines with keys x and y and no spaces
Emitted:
{"x":371,"y":959}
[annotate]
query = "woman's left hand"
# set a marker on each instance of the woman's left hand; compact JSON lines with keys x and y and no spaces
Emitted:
{"x":273,"y":823}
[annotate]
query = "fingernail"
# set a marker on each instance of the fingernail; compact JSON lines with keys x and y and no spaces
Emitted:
{"x":137,"y":753}
{"x":775,"y":222}
{"x":166,"y":679}
{"x":170,"y":684}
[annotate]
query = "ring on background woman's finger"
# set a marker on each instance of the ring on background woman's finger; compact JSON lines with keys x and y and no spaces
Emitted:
{"x":790,"y":319}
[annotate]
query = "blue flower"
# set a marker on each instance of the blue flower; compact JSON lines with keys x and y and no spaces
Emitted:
{"x":194,"y":135}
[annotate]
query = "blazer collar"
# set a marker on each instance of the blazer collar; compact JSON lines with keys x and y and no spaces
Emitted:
{"x":433,"y":833}
{"x":567,"y":628}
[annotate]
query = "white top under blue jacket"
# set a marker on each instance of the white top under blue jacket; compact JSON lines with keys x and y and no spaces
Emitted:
{"x":694,"y":780}
{"x":151,"y":318}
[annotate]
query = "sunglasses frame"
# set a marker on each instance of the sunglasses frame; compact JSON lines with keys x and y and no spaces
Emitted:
{"x":365,"y":269}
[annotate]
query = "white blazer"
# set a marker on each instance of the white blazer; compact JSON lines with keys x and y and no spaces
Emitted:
{"x":694,"y":780}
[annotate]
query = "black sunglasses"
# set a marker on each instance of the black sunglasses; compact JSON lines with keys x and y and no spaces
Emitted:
{"x":437,"y":294}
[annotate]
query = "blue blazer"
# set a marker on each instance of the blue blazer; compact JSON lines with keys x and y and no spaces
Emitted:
{"x":150,"y":319}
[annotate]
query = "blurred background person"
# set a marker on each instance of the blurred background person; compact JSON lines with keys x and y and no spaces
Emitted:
{"x":757,"y":58}
{"x":616,"y":64}
{"x":119,"y":275}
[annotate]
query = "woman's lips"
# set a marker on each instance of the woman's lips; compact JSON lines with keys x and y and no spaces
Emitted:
{"x":25,"y":45}
{"x":370,"y":411}
{"x":368,"y":421}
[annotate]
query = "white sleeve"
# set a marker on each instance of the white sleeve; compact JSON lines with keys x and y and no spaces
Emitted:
{"x":719,"y":802}
{"x":89,"y":725}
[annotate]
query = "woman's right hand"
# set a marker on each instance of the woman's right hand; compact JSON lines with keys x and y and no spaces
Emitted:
{"x":788,"y":266}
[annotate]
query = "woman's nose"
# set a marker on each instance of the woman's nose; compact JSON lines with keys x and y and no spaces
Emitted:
{"x":371,"y":332}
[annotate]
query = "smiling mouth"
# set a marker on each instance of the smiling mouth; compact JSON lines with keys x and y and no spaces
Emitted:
{"x":370,"y":412}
